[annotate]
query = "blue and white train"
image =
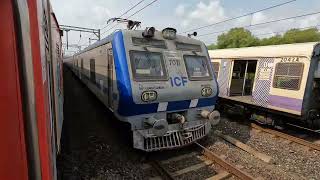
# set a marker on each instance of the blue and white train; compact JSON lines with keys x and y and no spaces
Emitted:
{"x":161,"y":83}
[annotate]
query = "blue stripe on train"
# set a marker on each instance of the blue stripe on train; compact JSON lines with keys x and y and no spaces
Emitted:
{"x":126,"y":105}
{"x":178,"y":105}
{"x":207,"y":101}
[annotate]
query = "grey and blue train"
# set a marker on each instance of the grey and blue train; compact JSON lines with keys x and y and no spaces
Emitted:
{"x":159,"y":82}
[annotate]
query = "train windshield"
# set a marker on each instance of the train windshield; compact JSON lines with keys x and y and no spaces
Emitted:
{"x":197,"y":67}
{"x":147,"y":65}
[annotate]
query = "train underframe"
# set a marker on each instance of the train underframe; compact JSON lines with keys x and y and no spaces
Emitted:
{"x":172,"y":129}
{"x":266,"y":116}
{"x":178,"y":135}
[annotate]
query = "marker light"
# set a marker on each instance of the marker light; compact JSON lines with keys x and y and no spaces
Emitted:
{"x":148,"y":32}
{"x":148,"y":96}
{"x":169,"y":33}
{"x":207,"y":91}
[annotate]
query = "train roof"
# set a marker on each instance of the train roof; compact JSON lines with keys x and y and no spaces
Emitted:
{"x":158,"y":35}
{"x":97,"y":44}
{"x":136,"y":33}
{"x":298,"y":49}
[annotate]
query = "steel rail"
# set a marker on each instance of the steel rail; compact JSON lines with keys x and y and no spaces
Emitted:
{"x":229,"y":167}
{"x":161,"y":170}
{"x":288,"y":137}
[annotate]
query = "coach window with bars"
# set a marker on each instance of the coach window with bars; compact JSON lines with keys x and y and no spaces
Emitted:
{"x":288,"y":76}
{"x":216,"y":67}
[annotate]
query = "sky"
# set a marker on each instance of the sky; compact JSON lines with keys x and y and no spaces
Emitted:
{"x":184,"y":15}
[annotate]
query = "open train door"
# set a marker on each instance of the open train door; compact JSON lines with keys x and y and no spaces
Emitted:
{"x":243,"y":75}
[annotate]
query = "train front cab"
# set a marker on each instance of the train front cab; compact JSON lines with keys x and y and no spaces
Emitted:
{"x":272,"y":82}
{"x":148,"y":86}
{"x":181,"y":87}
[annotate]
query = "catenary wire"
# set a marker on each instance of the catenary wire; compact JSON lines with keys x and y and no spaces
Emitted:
{"x":277,"y":32}
{"x":141,"y":9}
{"x":237,"y":17}
{"x":268,"y":22}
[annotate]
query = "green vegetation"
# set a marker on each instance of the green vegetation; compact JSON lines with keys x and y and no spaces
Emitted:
{"x":240,"y":37}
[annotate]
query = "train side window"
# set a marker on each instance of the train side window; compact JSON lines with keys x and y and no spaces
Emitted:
{"x":288,"y":76}
{"x":216,"y":68}
{"x":92,"y":70}
{"x":81,"y":64}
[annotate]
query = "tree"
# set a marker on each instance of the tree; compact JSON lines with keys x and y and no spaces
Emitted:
{"x":235,"y":38}
{"x":300,"y":36}
{"x":274,"y":40}
{"x":212,"y":46}
{"x":240,"y":37}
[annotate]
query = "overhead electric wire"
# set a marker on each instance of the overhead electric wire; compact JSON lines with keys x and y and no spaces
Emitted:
{"x":302,"y":28}
{"x":268,"y":22}
{"x":257,"y":35}
{"x":125,"y":12}
{"x":138,"y":3}
{"x":109,"y":29}
{"x":141,"y":9}
{"x":237,"y":17}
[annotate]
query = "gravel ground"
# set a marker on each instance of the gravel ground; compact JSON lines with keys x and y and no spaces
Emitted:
{"x":178,"y":165}
{"x":289,"y":161}
{"x":94,"y":145}
{"x":202,"y":173}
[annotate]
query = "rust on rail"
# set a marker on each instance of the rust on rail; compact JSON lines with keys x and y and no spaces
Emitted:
{"x":229,"y":167}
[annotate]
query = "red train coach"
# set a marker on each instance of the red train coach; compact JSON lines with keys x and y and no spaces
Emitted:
{"x":31,"y":94}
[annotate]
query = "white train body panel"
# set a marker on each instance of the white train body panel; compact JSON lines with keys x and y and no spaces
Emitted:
{"x":279,"y":77}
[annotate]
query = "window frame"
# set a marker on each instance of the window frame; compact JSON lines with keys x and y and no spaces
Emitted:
{"x":210,"y":77}
{"x":185,"y":49}
{"x":149,"y":45}
{"x":165,"y":76}
{"x":92,"y":71}
{"x":217,"y":75}
{"x":275,"y":76}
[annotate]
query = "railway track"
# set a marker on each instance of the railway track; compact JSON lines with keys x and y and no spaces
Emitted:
{"x":206,"y":159}
{"x":220,"y":168}
{"x":288,"y":137}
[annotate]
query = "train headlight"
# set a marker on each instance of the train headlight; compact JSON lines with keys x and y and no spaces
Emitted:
{"x":148,"y":96}
{"x":207,"y":91}
{"x":169,"y":33}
